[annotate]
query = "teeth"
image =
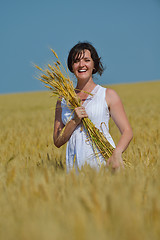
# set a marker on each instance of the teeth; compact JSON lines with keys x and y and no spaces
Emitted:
{"x":82,"y":70}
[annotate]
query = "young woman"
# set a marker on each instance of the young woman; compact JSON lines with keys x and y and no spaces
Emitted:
{"x":84,"y":61}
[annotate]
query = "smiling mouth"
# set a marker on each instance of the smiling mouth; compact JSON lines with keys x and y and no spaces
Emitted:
{"x":82,"y":70}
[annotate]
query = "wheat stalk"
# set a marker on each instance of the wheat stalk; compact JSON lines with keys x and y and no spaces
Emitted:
{"x":57,"y":80}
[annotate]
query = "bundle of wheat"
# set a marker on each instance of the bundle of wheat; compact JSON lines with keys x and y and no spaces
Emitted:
{"x":57,"y":80}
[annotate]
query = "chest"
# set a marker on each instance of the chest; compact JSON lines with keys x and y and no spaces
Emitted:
{"x":84,"y":97}
{"x":96,"y":108}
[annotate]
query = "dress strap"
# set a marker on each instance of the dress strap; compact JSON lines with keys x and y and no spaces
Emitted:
{"x":90,"y":97}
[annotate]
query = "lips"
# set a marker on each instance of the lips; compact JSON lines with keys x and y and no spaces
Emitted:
{"x":82,"y":70}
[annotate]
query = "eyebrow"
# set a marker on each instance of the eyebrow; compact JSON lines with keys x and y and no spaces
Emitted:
{"x":85,"y":58}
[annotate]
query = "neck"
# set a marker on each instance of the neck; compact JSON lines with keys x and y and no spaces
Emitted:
{"x":85,"y":85}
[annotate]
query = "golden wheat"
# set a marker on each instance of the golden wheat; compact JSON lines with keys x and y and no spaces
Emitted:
{"x":40,"y":201}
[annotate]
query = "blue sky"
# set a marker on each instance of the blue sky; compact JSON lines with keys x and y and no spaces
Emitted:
{"x":125,"y":33}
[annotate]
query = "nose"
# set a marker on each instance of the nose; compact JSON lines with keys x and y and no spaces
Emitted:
{"x":81,"y":63}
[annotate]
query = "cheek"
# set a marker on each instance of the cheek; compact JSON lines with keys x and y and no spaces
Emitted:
{"x":74,"y":67}
{"x":92,"y":64}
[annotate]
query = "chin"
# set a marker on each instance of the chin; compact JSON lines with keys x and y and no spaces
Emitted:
{"x":84,"y":77}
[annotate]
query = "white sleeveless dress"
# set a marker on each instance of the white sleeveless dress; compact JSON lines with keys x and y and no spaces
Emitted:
{"x":79,"y":150}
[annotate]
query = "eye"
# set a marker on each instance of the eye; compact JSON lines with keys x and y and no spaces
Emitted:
{"x":76,"y":61}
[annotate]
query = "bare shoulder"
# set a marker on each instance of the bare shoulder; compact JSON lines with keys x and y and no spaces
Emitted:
{"x":58,"y":104}
{"x":112,"y":96}
{"x":58,"y":110}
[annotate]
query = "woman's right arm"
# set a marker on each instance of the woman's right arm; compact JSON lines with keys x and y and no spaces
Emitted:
{"x":62,"y":133}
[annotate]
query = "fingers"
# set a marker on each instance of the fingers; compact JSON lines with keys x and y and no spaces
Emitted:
{"x":81,"y":112}
{"x":108,"y":162}
{"x":115,"y":164}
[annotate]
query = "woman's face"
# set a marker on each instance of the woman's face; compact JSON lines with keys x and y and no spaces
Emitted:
{"x":83,"y":67}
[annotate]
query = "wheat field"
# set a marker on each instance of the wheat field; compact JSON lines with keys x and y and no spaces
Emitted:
{"x":38,"y":200}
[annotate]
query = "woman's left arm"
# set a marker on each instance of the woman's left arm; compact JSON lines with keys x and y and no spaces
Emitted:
{"x":118,"y":115}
